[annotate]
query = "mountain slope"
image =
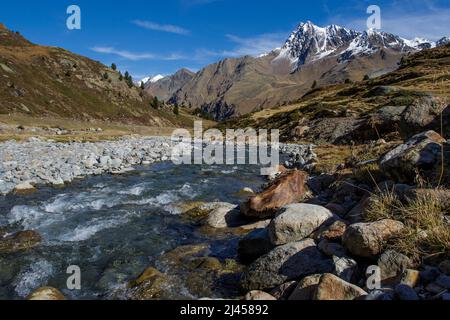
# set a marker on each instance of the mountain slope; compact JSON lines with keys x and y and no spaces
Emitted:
{"x":346,"y":112}
{"x":51,"y":82}
{"x":311,"y":55}
{"x":165,"y":87}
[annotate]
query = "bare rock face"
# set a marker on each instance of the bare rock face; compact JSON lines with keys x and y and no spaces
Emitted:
{"x":296,"y":222}
{"x":331,"y":287}
{"x":287,"y":189}
{"x":425,"y":114}
{"x":46,"y":294}
{"x":20,"y":241}
{"x":367,"y":239}
{"x":419,"y":155}
{"x":285,"y":263}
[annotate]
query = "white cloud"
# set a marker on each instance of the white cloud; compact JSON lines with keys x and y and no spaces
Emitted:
{"x":124,"y":54}
{"x":256,"y":45}
{"x":161,"y":27}
{"x":137,"y":56}
{"x":415,"y":19}
{"x":251,"y":46}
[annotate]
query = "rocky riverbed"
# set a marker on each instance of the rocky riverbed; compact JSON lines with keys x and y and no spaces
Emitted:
{"x":170,"y":232}
{"x":38,"y":162}
{"x":41,"y":162}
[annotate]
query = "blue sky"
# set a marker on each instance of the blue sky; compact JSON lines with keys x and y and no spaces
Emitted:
{"x":159,"y":37}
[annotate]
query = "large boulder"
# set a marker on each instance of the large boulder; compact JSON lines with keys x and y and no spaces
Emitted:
{"x":306,"y":288}
{"x":257,"y":295}
{"x":46,"y":294}
{"x":148,"y":286}
{"x":368,"y":239}
{"x":332,"y":287}
{"x":254,"y":245}
{"x":425,"y":114}
{"x":287,"y":189}
{"x":223,"y":215}
{"x":393,"y":264}
{"x":421,"y":155}
{"x":296,"y":222}
{"x":285,"y":263}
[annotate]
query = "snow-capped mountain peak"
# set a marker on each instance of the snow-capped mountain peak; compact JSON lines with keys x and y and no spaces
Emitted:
{"x":151,"y":79}
{"x":309,"y":43}
{"x":156,"y":78}
{"x":444,"y":41}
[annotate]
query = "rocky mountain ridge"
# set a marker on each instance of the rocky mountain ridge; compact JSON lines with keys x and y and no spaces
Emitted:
{"x":312,"y":56}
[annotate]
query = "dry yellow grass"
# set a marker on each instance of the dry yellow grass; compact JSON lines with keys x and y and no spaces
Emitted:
{"x":79,"y":130}
{"x":426,"y":232}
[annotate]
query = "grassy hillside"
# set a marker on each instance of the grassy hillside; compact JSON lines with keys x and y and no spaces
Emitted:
{"x":48,"y":82}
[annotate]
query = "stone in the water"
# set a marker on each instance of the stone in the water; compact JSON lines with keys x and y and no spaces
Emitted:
{"x":20,"y":241}
{"x":24,"y":187}
{"x":368,"y":239}
{"x":148,"y":285}
{"x":306,"y":288}
{"x":259,"y":296}
{"x":285,"y":263}
{"x":296,"y":222}
{"x":46,"y":294}
{"x":287,"y":189}
{"x":332,"y":287}
{"x":223,"y":215}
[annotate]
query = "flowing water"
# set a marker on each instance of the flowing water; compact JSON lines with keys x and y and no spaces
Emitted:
{"x":114,"y":227}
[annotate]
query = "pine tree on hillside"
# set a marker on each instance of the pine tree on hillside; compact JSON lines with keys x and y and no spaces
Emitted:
{"x":114,"y":66}
{"x":176,"y":109}
{"x":155,"y":103}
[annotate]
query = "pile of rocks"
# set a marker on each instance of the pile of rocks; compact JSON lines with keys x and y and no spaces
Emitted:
{"x":323,"y":249}
{"x":34,"y":162}
{"x":300,"y":156}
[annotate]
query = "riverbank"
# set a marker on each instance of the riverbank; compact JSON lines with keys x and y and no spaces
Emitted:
{"x":41,"y":162}
{"x":37,"y":161}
